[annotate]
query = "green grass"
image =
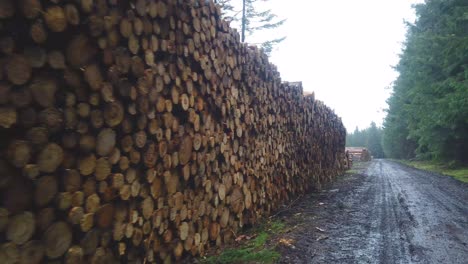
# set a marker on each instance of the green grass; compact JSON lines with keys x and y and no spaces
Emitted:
{"x":276,"y":226}
{"x":460,"y":173}
{"x":352,"y":171}
{"x":252,"y":251}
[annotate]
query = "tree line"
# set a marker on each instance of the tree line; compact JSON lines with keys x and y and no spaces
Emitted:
{"x":370,"y":138}
{"x":428,"y":110}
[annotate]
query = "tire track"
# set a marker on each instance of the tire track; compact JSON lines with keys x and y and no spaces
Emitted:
{"x":389,"y":213}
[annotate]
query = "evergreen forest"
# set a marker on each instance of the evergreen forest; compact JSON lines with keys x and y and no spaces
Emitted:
{"x":427,"y":117}
{"x":370,"y":138}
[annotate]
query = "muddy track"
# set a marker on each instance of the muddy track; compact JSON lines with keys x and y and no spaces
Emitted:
{"x":387,"y":213}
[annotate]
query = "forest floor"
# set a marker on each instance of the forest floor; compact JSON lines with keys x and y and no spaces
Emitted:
{"x":378,"y":212}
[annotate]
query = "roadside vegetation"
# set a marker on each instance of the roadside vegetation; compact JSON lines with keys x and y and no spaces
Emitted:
{"x":459,"y":173}
{"x":254,"y":246}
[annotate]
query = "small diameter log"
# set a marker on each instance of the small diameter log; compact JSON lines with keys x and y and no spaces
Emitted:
{"x":7,"y":9}
{"x":50,"y":158}
{"x":97,"y":118}
{"x":92,"y":203}
{"x":87,"y":222}
{"x":105,"y":142}
{"x":105,"y":216}
{"x":31,"y":8}
{"x":87,"y":165}
{"x":113,"y":114}
{"x":8,"y":117}
{"x":72,"y":14}
{"x":185,"y":150}
{"x":18,"y":69}
{"x":46,"y":189}
{"x":75,"y":215}
{"x":19,"y":153}
{"x":80,"y":51}
{"x":183,"y":231}
{"x":9,"y":253}
{"x":71,"y":180}
{"x":147,"y":207}
{"x":36,"y":56}
{"x":56,"y":60}
{"x":75,"y":255}
{"x":44,"y":218}
{"x":103,"y":169}
{"x":4,"y":216}
{"x":55,"y":18}
{"x":38,"y":32}
{"x":93,"y":76}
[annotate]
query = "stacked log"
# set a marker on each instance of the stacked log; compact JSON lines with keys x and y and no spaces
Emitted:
{"x":140,"y":131}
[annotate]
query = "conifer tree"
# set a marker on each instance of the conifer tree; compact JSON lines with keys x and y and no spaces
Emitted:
{"x":254,"y":17}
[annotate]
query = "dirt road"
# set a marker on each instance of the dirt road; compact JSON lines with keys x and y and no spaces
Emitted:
{"x":385,"y":213}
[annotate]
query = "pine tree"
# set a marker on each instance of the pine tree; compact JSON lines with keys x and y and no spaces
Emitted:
{"x":253,"y":19}
{"x":228,"y":12}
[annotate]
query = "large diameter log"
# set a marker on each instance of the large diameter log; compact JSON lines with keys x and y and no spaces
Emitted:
{"x":21,"y":228}
{"x":57,"y":239}
{"x":32,"y":252}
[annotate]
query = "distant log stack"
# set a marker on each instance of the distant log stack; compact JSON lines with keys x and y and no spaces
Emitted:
{"x":358,"y":154}
{"x":144,"y":131}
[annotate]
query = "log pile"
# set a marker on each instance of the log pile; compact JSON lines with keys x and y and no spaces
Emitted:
{"x":141,"y":131}
{"x":359,"y":154}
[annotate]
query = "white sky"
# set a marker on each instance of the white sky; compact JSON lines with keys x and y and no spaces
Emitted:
{"x":343,"y":50}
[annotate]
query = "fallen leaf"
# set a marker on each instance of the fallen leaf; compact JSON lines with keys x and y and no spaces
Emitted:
{"x":243,"y":237}
{"x":287,"y":241}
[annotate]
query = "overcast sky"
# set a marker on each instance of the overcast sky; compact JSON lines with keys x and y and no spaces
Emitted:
{"x":343,"y":51}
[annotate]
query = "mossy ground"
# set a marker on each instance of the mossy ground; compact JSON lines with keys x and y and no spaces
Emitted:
{"x":258,"y":249}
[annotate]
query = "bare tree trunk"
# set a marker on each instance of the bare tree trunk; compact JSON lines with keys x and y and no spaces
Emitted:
{"x":243,"y":21}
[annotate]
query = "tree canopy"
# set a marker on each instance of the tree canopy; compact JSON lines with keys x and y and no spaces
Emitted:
{"x":428,"y":109}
